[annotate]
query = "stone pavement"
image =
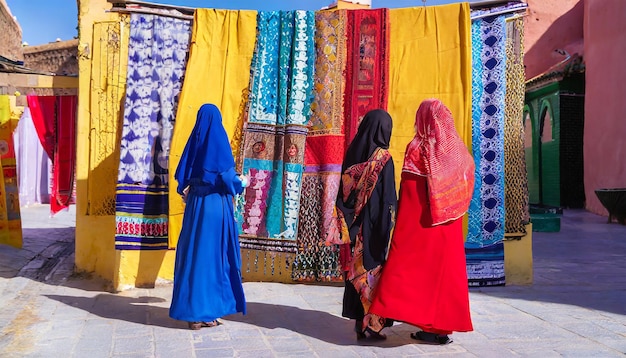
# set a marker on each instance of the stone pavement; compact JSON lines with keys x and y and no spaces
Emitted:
{"x":575,"y":308}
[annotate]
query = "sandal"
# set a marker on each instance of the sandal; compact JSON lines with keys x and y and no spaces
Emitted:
{"x":375,"y":335}
{"x":197,"y":325}
{"x":431,"y":338}
{"x":213,"y":323}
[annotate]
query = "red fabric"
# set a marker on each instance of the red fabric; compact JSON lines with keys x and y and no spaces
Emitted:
{"x":367,"y":68}
{"x":324,"y":149}
{"x":438,"y":153}
{"x":42,"y":110}
{"x":64,"y":154}
{"x":55,"y":122}
{"x":424,"y":281}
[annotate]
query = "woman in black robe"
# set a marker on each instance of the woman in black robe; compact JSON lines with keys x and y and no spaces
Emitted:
{"x":365,"y":209}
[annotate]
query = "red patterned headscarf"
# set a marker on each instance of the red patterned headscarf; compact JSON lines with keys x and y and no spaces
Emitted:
{"x":438,"y":153}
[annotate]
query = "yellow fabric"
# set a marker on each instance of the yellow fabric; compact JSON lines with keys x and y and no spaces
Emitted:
{"x":429,"y":57}
{"x":218,"y":72}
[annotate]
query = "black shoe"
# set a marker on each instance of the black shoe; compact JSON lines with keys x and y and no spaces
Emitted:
{"x":361,"y":332}
{"x":431,"y":338}
{"x":358,"y":328}
{"x":375,"y":335}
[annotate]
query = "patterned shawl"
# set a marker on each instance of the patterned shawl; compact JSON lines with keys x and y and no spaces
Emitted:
{"x":438,"y":153}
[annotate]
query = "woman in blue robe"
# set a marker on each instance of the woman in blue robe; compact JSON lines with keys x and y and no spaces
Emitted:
{"x":207,"y":272}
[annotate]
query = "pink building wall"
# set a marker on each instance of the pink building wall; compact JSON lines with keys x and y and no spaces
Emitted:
{"x":551,"y":25}
{"x":605,"y":98}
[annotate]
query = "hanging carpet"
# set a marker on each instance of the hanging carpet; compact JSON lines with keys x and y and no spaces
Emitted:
{"x":281,"y":93}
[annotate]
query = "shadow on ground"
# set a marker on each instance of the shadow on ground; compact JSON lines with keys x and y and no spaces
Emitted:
{"x":315,"y":324}
{"x":582,"y":265}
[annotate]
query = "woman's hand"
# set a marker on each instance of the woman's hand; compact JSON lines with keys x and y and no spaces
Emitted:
{"x":245,"y":181}
{"x":185,"y":192}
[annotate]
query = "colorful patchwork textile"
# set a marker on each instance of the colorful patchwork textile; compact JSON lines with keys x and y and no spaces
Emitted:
{"x":275,"y":133}
{"x":367,"y":68}
{"x":486,"y":213}
{"x":324,"y":151}
{"x":156,"y":65}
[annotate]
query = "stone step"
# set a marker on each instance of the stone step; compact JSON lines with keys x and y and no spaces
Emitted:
{"x":546,"y":222}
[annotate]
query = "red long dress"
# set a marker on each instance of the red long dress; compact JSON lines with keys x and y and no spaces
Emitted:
{"x":424,"y":282}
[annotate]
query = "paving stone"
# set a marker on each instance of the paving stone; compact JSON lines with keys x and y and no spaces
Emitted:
{"x":574,"y":309}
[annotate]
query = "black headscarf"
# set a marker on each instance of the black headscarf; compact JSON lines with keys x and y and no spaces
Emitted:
{"x":374,"y":132}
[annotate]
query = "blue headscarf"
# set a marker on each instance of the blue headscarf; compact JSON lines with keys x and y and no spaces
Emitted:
{"x":207,"y":153}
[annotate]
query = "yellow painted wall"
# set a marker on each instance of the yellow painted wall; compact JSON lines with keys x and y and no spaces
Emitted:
{"x":518,"y":259}
{"x":94,"y":236}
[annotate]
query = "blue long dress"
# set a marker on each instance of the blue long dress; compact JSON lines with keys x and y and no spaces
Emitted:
{"x":207,"y":273}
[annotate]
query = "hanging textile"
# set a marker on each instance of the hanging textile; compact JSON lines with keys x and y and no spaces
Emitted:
{"x":10,"y":217}
{"x":323,"y":154}
{"x":486,"y":213}
{"x":218,"y":72}
{"x":429,"y":57}
{"x":108,"y":84}
{"x":516,"y":193}
{"x":64,"y":166}
{"x":274,"y":138}
{"x":54,"y":118}
{"x":43,"y":112}
{"x":367,"y":68}
{"x":157,"y":56}
{"x":32,"y":162}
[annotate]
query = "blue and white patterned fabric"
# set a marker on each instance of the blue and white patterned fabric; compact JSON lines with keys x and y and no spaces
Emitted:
{"x":486,"y":212}
{"x":157,"y":56}
{"x":486,"y":218}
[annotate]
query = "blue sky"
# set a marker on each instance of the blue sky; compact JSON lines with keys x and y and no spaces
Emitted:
{"x":44,"y":21}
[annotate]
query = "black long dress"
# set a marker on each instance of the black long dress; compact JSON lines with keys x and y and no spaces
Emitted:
{"x":376,"y":218}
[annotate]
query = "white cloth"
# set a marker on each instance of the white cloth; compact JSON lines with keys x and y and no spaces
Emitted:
{"x":32,"y":163}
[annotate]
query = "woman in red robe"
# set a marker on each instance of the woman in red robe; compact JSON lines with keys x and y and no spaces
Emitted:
{"x":424,"y":281}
